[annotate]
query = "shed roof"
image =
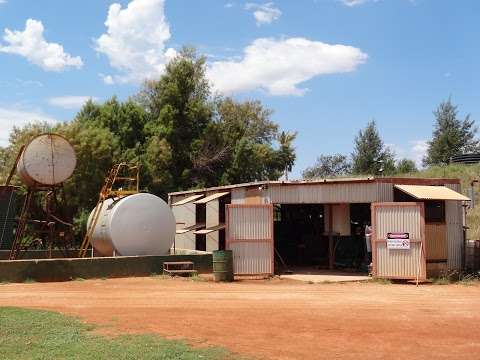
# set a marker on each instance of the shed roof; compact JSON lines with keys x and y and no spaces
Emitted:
{"x":367,"y":179}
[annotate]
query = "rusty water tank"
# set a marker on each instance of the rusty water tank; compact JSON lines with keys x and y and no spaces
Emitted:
{"x":139,"y":224}
{"x":48,"y":159}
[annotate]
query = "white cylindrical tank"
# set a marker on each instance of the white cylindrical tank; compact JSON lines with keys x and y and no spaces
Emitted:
{"x":140,"y":224}
{"x":48,"y":159}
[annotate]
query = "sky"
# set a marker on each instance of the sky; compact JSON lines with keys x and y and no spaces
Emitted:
{"x":325,"y":67}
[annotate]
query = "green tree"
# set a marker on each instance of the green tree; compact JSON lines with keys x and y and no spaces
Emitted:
{"x":370,"y":155}
{"x":405,"y":166}
{"x":247,"y":137}
{"x":97,"y":150}
{"x":451,"y":136}
{"x":286,"y":152}
{"x":180,"y":135}
{"x":328,"y":166}
{"x":179,"y":111}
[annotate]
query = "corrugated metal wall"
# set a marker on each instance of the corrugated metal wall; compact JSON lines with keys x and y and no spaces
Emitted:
{"x":238,"y":195}
{"x":250,"y":236}
{"x":212,"y":219}
{"x":454,"y":222}
{"x":329,"y":193}
{"x":185,"y":217}
{"x":403,"y":264}
{"x":8,"y":199}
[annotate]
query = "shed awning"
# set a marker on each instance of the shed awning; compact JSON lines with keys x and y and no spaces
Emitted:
{"x":424,"y":192}
{"x":210,"y":230}
{"x":211,"y":197}
{"x":187,"y":200}
{"x":189,"y":228}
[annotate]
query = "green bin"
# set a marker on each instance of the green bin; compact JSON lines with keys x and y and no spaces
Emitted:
{"x":223,"y":265}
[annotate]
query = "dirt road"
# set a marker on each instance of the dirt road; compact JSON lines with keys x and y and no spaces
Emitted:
{"x":276,"y":319}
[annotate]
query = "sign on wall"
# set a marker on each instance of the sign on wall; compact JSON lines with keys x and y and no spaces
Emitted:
{"x":398,"y":241}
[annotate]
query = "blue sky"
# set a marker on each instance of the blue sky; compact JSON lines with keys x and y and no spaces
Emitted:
{"x":326,"y":67}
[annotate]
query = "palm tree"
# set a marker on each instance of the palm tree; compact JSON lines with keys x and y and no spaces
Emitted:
{"x":287,"y":152}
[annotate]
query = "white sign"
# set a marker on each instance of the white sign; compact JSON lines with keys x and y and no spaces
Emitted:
{"x":398,"y":241}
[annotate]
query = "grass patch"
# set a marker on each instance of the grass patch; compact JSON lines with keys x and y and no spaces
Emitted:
{"x":34,"y":334}
{"x":161,"y":276}
{"x":376,"y":280}
{"x":196,"y":277}
{"x":457,"y":277}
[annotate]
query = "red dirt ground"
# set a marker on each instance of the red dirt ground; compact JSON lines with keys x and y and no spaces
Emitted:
{"x":276,"y":319}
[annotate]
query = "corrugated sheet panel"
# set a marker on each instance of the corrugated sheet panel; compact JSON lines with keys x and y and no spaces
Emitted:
{"x":249,"y":223}
{"x":184,"y":217}
{"x":250,"y":236}
{"x":426,"y":192}
{"x":212,"y":213}
{"x":252,"y":258}
{"x":454,"y":222}
{"x":328,"y":193}
{"x":238,"y":196}
{"x":436,"y":241}
{"x":7,"y":217}
{"x":405,"y":264}
{"x":211,"y":241}
{"x":185,"y":241}
{"x":398,"y":219}
{"x":384,"y":192}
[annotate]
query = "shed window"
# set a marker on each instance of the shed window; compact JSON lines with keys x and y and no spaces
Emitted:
{"x":435,"y":211}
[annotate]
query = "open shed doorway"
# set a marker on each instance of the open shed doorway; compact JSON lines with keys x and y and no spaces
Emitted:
{"x":305,"y":235}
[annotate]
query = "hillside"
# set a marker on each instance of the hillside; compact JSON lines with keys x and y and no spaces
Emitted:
{"x":466,"y":173}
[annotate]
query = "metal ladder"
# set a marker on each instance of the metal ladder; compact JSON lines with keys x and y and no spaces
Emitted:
{"x":108,"y":192}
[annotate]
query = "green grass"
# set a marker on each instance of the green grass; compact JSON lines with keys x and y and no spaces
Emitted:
{"x":466,"y":173}
{"x":457,"y":277}
{"x":381,"y":281}
{"x":35,"y":334}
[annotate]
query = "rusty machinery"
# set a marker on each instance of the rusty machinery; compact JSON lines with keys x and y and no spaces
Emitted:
{"x":43,"y":165}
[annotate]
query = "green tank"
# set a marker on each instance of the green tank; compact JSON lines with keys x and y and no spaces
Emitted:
{"x":223,"y":265}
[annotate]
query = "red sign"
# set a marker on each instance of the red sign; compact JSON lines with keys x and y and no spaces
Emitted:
{"x":398,"y":235}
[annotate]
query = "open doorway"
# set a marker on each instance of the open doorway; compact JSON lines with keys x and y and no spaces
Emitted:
{"x":307,"y":234}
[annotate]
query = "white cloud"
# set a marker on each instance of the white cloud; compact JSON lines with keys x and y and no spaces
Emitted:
{"x":135,"y":41}
{"x":228,"y":5}
{"x":280,"y":66}
{"x":419,"y":150}
{"x":353,"y":2}
{"x":13,"y":116}
{"x":264,"y":14}
{"x":415,"y":150}
{"x":3,"y":2}
{"x":70,"y":102}
{"x":31,"y":44}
